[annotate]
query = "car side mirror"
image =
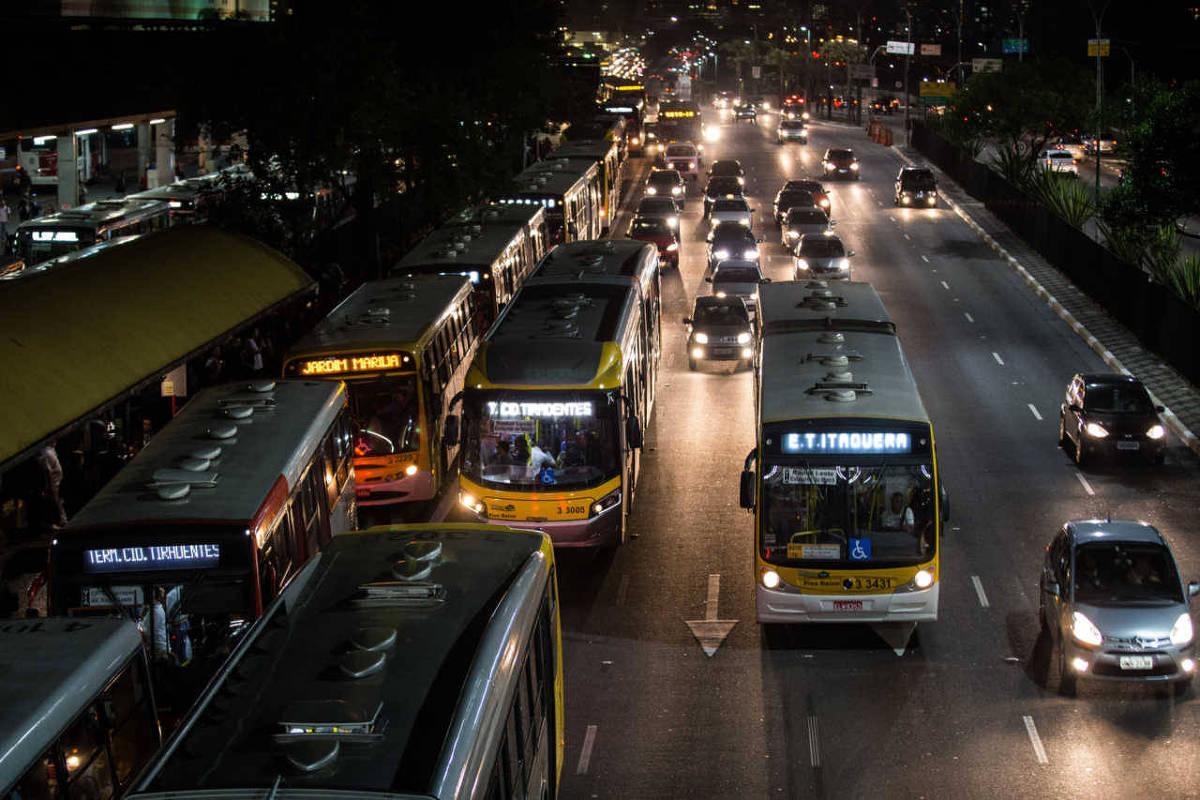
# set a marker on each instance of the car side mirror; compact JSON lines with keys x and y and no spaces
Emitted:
{"x":746,"y":489}
{"x":687,"y":320}
{"x":759,"y":240}
{"x":1193,"y":588}
{"x":633,"y":433}
{"x":1159,"y":409}
{"x":849,"y":254}
{"x":1052,"y":587}
{"x":833,"y":223}
{"x":450,"y":430}
{"x":764,"y":280}
{"x":708,"y":279}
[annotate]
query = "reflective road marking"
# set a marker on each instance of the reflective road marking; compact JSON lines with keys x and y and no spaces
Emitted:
{"x":1087,"y":487}
{"x":969,"y":317}
{"x":1035,"y":411}
{"x":1039,"y":752}
{"x":585,"y":755}
{"x":814,"y":746}
{"x":999,"y":360}
{"x":983,"y":601}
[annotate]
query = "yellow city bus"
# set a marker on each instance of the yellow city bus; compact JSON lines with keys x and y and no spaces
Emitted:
{"x":402,"y":346}
{"x":405,"y":661}
{"x":559,"y":394}
{"x":605,"y":154}
{"x":848,"y":505}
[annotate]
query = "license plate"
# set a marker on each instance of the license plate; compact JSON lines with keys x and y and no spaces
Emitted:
{"x":847,"y":605}
{"x":1128,"y":445}
{"x":722,"y":351}
{"x":1137,"y":662}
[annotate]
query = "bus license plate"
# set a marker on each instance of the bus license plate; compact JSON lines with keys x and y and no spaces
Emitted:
{"x":847,"y":605}
{"x":1128,"y":445}
{"x":1137,"y":662}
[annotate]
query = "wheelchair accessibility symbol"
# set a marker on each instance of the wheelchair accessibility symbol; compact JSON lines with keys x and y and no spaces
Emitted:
{"x":860,"y":549}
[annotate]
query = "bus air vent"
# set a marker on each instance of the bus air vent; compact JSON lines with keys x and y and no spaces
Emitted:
{"x":260,"y":387}
{"x":560,"y":327}
{"x":174,"y":491}
{"x":308,"y":720}
{"x":841,"y":395}
{"x":817,"y":285}
{"x":422,"y":550}
{"x":208,"y":452}
{"x":224,"y":431}
{"x":311,"y":756}
{"x":373,"y":638}
{"x":835,"y":361}
{"x":843,"y":376}
{"x":167,"y":476}
{"x":192,"y":464}
{"x":447,"y":252}
{"x":238,"y":412}
{"x":399,"y":594}
{"x":411,"y":569}
{"x":831,"y":337}
{"x":361,"y":663}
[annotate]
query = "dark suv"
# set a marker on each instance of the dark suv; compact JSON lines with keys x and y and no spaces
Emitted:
{"x":720,"y":186}
{"x":719,"y":329}
{"x":1110,"y":413}
{"x":916,"y":187}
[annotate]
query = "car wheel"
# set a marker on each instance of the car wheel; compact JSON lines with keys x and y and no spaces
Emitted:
{"x":1067,"y":682}
{"x":691,"y":364}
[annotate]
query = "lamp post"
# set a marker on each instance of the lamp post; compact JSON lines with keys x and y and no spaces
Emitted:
{"x":1098,"y":18}
{"x":907,"y":102}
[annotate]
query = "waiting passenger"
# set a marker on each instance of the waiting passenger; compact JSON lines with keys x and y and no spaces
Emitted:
{"x":898,"y":516}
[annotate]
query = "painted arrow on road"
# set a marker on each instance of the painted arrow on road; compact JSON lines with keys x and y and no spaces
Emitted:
{"x":710,"y":632}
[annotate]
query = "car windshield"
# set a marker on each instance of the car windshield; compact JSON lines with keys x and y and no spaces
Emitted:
{"x":795,"y":198}
{"x":1122,"y":572}
{"x":725,"y":168}
{"x":791,"y":124}
{"x":385,"y":415}
{"x":650,"y":227}
{"x":712,"y":314}
{"x":657,"y":205}
{"x":848,"y":515}
{"x":806,"y":216}
{"x":723,"y":185}
{"x":1117,"y":399}
{"x":736,"y":275}
{"x":917,"y":180}
{"x":841,"y":155}
{"x":730,"y":204}
{"x":542,"y":441}
{"x":680,"y":151}
{"x":1059,"y":154}
{"x":821,"y":247}
{"x":670,"y":178}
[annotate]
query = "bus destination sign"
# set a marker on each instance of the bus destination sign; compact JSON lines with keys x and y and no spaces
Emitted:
{"x":151,"y":558}
{"x":342,"y":365}
{"x":836,"y":442}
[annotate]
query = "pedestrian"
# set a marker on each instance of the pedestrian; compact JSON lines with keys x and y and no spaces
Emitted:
{"x":5,"y":211}
{"x":23,"y":209}
{"x":52,"y":475}
{"x":214,"y":367}
{"x":252,"y":360}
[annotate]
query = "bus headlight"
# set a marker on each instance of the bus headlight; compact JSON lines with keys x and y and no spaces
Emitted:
{"x":745,"y":221}
{"x":750,"y":254}
{"x":1096,"y":430}
{"x":844,"y":263}
{"x":697,"y":352}
{"x":471,"y":503}
{"x":747,"y":352}
{"x":1156,"y":432}
{"x":676,"y":190}
{"x":904,"y":198}
{"x":923,"y":579}
{"x":410,"y":470}
{"x":1084,"y":631}
{"x":802,"y":264}
{"x":691,"y":165}
{"x":770,"y":578}
{"x":744,"y":337}
{"x":610,"y":500}
{"x":672,"y":222}
{"x":721,"y":254}
{"x":701,"y":338}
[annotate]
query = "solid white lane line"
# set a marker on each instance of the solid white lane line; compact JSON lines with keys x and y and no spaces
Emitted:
{"x":983,"y":601}
{"x":969,"y":317}
{"x":814,"y":746}
{"x":1087,"y":487}
{"x":1039,"y":752}
{"x":999,"y":360}
{"x":585,"y":755}
{"x":1033,"y":408}
{"x":714,"y":592}
{"x":945,"y":286}
{"x":925,"y":258}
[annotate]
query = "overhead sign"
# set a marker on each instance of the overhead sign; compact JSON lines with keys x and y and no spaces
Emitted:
{"x":860,"y":72}
{"x":1015,"y":46}
{"x":340,"y":365}
{"x":1105,"y":46}
{"x":900,"y":48}
{"x":847,"y":442}
{"x":986,"y":64}
{"x":150,"y":559}
{"x":936,"y":89}
{"x":931,"y":49}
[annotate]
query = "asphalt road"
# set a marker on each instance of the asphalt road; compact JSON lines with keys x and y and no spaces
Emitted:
{"x":833,"y":711}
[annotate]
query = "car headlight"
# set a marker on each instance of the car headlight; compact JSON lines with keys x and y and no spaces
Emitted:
{"x":843,"y":263}
{"x":471,"y":503}
{"x":801,"y":264}
{"x":634,"y":140}
{"x":701,"y":338}
{"x":673,"y":222}
{"x":651,"y":190}
{"x":609,"y":501}
{"x":932,"y":195}
{"x":827,"y":164}
{"x":691,"y":165}
{"x":854,"y":166}
{"x":672,"y":247}
{"x":1096,"y":430}
{"x":1181,"y":633}
{"x":745,"y":221}
{"x":741,"y":181}
{"x":744,"y":337}
{"x":721,"y":254}
{"x":1085,"y":632}
{"x":824,"y":202}
{"x":676,"y":190}
{"x":904,"y":198}
{"x":1156,"y":432}
{"x":793,"y":234}
{"x":751,"y":253}
{"x":697,"y":352}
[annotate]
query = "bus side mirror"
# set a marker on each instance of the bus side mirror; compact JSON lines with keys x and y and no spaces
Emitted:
{"x":944,"y":505}
{"x":747,"y":489}
{"x":450,"y":432}
{"x":1193,"y":588}
{"x":1052,"y":588}
{"x":633,"y":433}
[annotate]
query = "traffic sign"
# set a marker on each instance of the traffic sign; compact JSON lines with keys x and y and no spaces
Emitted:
{"x":860,"y":72}
{"x":936,"y":89}
{"x":986,"y":64}
{"x":931,"y":49}
{"x":1105,"y":45}
{"x":1015,"y":45}
{"x":900,"y":48}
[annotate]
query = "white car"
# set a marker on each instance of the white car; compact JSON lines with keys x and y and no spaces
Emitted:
{"x":1058,"y":161}
{"x":684,"y":158}
{"x":731,"y":209}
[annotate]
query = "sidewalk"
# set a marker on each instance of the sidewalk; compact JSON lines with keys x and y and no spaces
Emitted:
{"x":1119,"y":348}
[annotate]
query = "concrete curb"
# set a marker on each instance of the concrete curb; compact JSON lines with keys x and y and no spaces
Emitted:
{"x":1176,"y":425}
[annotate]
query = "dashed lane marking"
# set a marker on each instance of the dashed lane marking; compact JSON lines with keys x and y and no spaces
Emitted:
{"x":999,"y":360}
{"x":925,"y":258}
{"x":945,"y":286}
{"x":1039,"y":752}
{"x":1087,"y":487}
{"x":983,"y":601}
{"x":969,"y":317}
{"x":1036,"y":414}
{"x":585,"y":754}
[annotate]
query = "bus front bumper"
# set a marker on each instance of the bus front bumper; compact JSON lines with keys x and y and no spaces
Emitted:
{"x":789,"y":605}
{"x":410,"y":488}
{"x":600,"y":531}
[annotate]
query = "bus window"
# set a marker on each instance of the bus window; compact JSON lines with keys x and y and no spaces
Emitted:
{"x":385,"y":410}
{"x":89,"y":773}
{"x":128,"y":707}
{"x":40,"y":781}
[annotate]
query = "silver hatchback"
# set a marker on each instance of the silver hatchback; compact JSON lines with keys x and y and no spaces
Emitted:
{"x":1114,"y":606}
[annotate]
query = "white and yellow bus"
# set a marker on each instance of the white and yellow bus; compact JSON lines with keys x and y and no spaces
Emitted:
{"x":848,"y":505}
{"x":402,"y":346}
{"x":571,"y":193}
{"x":560,"y":392}
{"x":407,"y":661}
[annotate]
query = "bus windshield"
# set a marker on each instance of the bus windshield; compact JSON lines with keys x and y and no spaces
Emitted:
{"x":385,"y":415}
{"x":848,"y":515}
{"x":542,"y":441}
{"x":43,"y":244}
